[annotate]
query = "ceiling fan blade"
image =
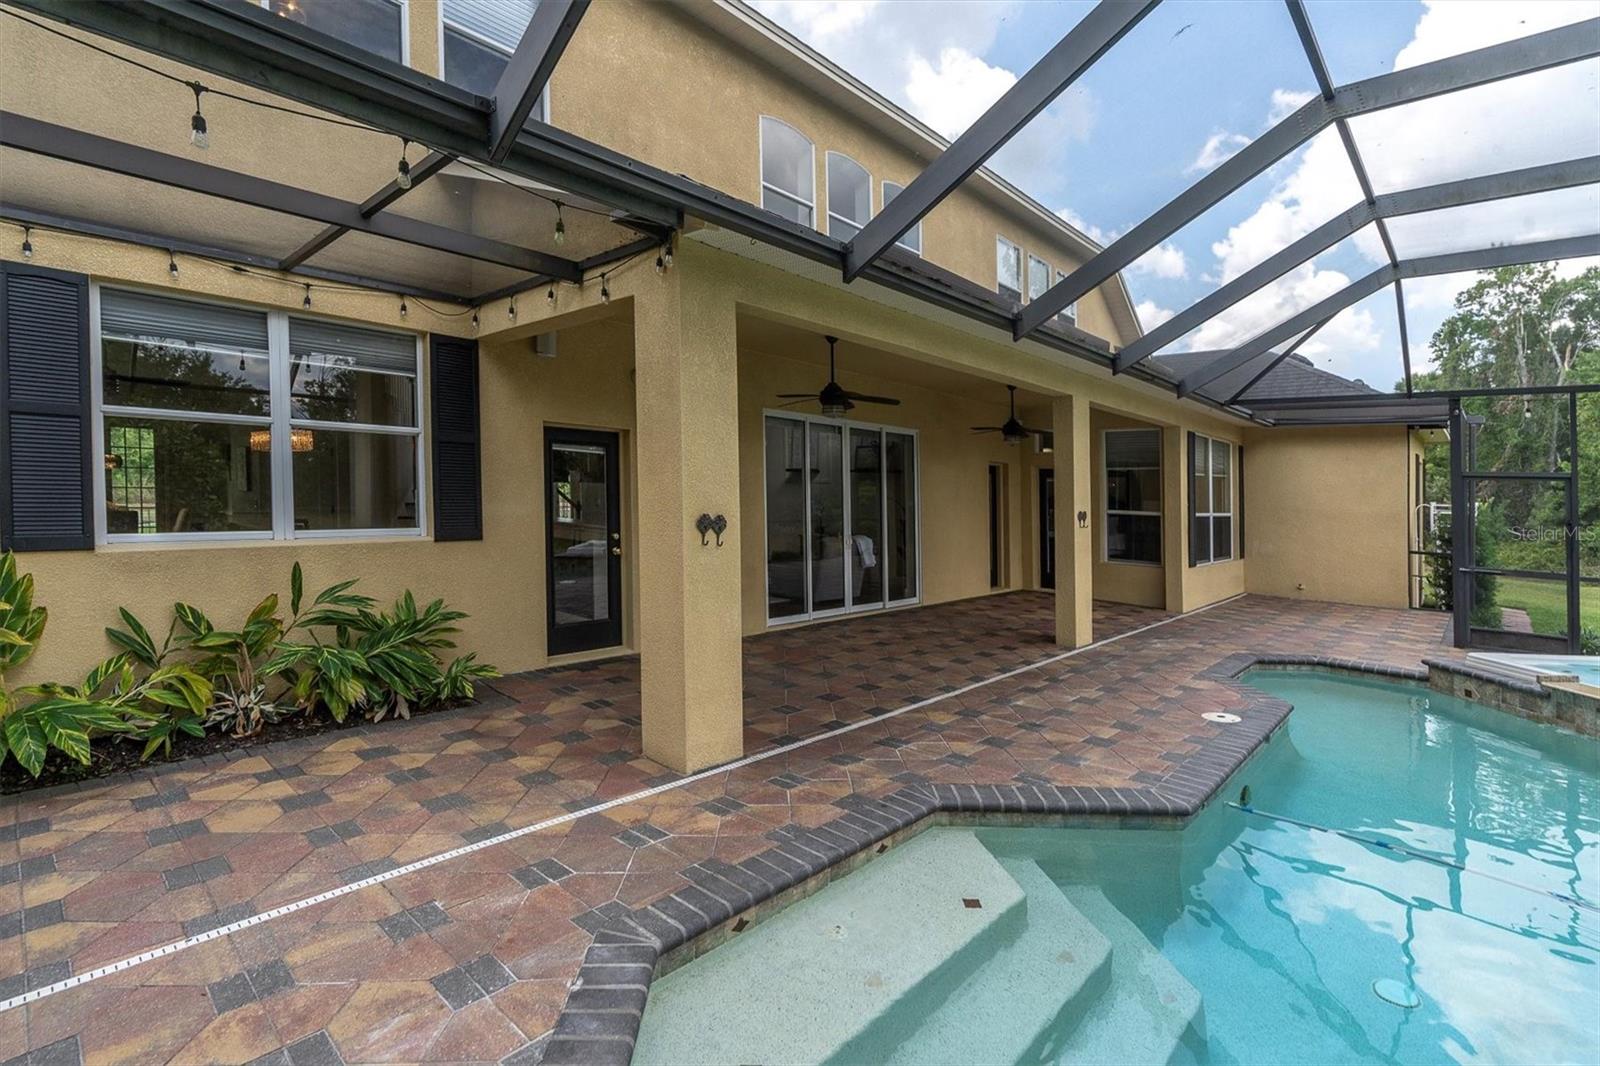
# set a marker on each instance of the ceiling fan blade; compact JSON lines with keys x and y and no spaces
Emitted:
{"x":797,"y":403}
{"x":873,"y":399}
{"x":1030,"y":429}
{"x":797,"y":396}
{"x":988,"y":429}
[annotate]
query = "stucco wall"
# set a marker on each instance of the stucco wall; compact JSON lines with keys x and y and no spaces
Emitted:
{"x":1328,"y":513}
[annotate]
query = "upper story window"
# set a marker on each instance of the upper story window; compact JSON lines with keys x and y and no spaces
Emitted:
{"x":477,"y":38}
{"x":376,"y":26}
{"x":911,"y":240}
{"x":1133,"y":495}
{"x":1039,"y":275}
{"x":1008,"y":268}
{"x":229,"y":422}
{"x":788,"y":172}
{"x":1069,"y":312}
{"x":849,"y":196}
{"x":1211,"y":499}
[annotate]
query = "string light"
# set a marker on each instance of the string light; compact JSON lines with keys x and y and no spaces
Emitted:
{"x":197,"y":123}
{"x":605,"y":291}
{"x":172,"y":267}
{"x":403,"y":177}
{"x":1527,"y":408}
{"x":403,"y":307}
{"x":550,"y":297}
{"x":474,"y":319}
{"x":27,"y":243}
{"x":661,"y":264}
{"x":561,"y":226}
{"x":666,"y":253}
{"x":511,"y":309}
{"x":306,"y":303}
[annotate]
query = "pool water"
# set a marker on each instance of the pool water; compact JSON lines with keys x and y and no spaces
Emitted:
{"x":1586,"y":668}
{"x":1285,"y":930}
{"x":1242,"y":938}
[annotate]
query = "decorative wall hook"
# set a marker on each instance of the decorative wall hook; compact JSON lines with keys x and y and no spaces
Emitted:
{"x":705,"y":524}
{"x":719,"y":525}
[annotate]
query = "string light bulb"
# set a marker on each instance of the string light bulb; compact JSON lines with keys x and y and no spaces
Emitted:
{"x":306,"y":303}
{"x":666,"y":254}
{"x":661,"y":263}
{"x":403,"y":308}
{"x":511,"y":309}
{"x":550,"y":297}
{"x":198,"y":136}
{"x":403,"y":174}
{"x":27,"y":243}
{"x":172,"y":267}
{"x":474,"y":319}
{"x":605,"y":290}
{"x":1527,"y":408}
{"x":561,"y":225}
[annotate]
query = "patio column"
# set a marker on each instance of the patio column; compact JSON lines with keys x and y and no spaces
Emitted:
{"x":1074,"y":543}
{"x":685,"y":365}
{"x":1174,"y":514}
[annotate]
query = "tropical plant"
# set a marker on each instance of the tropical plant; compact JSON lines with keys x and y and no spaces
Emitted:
{"x":113,"y":698}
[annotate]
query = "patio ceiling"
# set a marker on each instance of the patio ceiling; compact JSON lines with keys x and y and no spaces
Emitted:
{"x":479,"y":219}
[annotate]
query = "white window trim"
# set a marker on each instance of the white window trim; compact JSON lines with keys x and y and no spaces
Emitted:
{"x":1105,"y":488}
{"x":883,"y":201}
{"x":405,"y":30}
{"x":827,"y":193}
{"x":541,"y":110}
{"x":1022,"y":279}
{"x":1210,"y":513}
{"x":761,"y":166}
{"x":279,"y":421}
{"x":916,"y":487}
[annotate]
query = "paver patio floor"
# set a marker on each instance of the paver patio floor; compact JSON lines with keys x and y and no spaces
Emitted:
{"x":469,"y":960}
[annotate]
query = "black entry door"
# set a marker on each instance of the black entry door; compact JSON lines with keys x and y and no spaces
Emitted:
{"x":583,"y":532}
{"x":1047,"y":529}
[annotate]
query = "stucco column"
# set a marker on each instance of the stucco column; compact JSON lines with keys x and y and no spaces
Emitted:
{"x":1074,"y":543}
{"x":685,"y":362}
{"x":1174,"y":513}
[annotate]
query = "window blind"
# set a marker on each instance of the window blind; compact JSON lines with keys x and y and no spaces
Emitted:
{"x":500,"y":21}
{"x":143,"y":316}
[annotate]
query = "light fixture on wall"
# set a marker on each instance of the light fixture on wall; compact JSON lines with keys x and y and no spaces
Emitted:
{"x":300,"y":440}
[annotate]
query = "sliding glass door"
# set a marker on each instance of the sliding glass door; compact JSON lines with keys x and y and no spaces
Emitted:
{"x":842,"y":517}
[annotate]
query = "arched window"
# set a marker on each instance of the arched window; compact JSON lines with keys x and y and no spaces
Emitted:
{"x":849,"y":196}
{"x":788,"y":172}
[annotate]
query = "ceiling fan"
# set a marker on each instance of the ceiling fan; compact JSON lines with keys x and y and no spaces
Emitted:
{"x":835,"y":401}
{"x":1013,"y":432}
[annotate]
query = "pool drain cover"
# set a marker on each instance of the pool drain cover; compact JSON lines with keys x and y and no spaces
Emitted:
{"x":1400,"y":994}
{"x":1220,"y":717}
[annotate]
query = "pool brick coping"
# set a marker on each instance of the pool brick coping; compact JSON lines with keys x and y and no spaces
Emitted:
{"x":600,"y":1021}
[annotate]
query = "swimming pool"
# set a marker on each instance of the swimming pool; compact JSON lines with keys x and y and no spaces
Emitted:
{"x":1586,"y":668}
{"x":1245,"y":937}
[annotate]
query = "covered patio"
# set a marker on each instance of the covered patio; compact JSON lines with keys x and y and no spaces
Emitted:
{"x":427,"y":892}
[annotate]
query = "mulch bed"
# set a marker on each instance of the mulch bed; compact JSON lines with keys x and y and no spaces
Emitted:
{"x":109,"y":755}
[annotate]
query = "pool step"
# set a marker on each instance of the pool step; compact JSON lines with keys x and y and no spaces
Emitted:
{"x":799,"y":987}
{"x":1149,"y":1012}
{"x":1041,"y":980}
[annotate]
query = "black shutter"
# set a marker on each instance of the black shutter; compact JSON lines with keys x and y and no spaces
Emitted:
{"x":457,"y":471}
{"x":1238,"y":519}
{"x":1194,"y":505}
{"x":46,"y":456}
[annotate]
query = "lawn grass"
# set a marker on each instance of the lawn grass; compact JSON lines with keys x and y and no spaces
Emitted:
{"x":1546,"y":603}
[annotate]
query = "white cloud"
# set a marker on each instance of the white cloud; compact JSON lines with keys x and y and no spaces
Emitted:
{"x":1218,"y":147}
{"x":1088,"y":229}
{"x":1165,"y":260}
{"x":950,"y":95}
{"x":816,"y":20}
{"x":1152,"y":314}
{"x":1286,"y":102}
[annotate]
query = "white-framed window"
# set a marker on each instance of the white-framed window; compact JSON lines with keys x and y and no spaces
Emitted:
{"x":376,"y":26}
{"x":1039,"y":275}
{"x":1211,"y":486}
{"x":1008,"y":268}
{"x":843,"y":516}
{"x":216,"y":421}
{"x":1070,"y":312}
{"x":1133,"y":495}
{"x":788,"y":172}
{"x":476,"y":39}
{"x":849,"y":196}
{"x":911,"y":239}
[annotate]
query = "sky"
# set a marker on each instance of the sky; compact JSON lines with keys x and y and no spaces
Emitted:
{"x":1198,"y":79}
